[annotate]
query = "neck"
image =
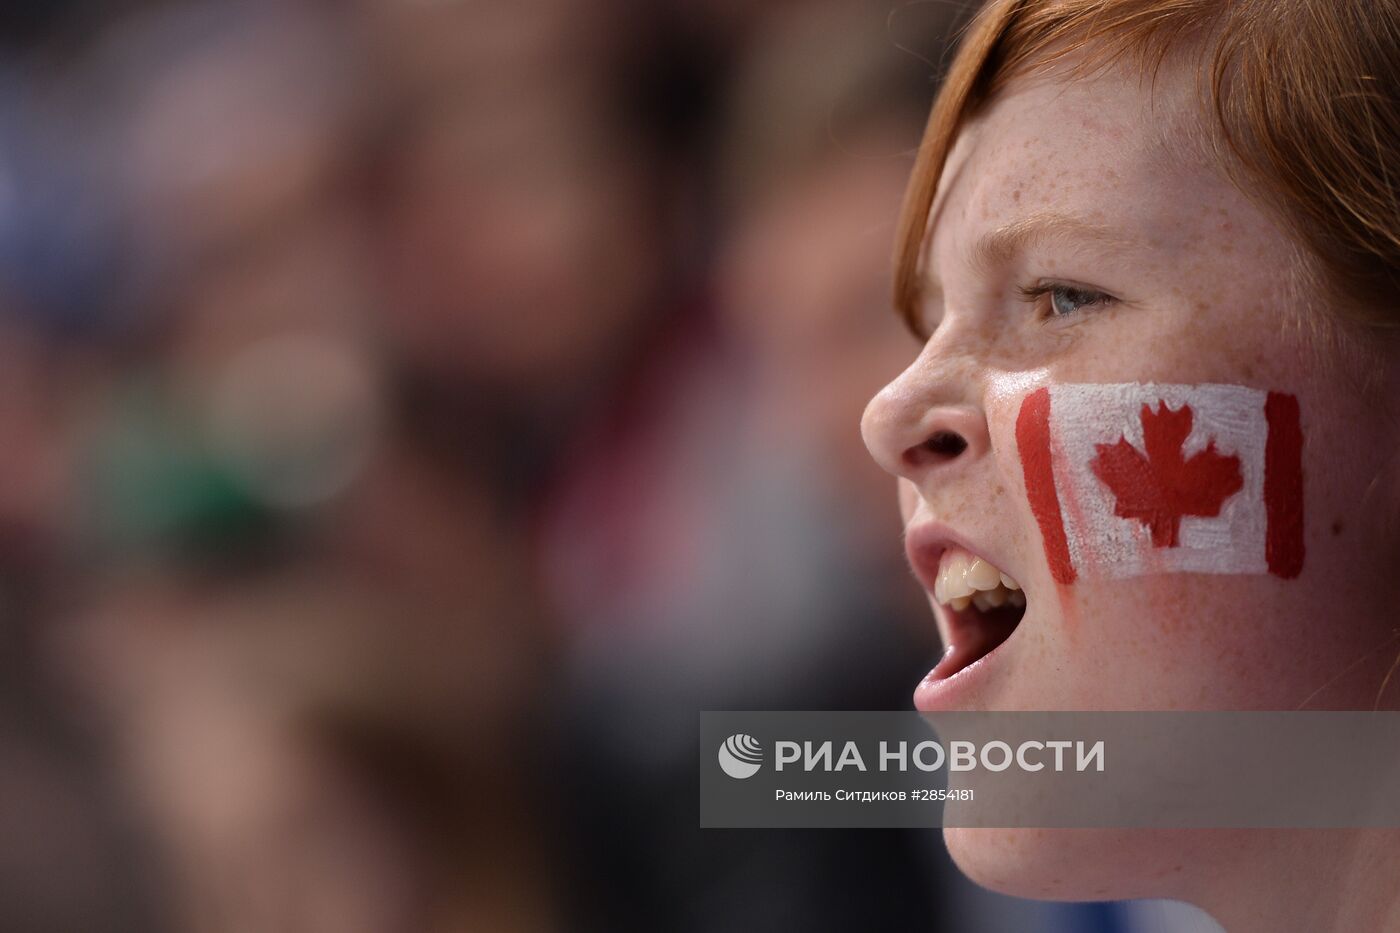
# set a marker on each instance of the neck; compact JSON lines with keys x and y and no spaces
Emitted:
{"x":1328,"y":881}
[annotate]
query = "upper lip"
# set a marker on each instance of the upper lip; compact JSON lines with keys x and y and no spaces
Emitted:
{"x":925,"y":544}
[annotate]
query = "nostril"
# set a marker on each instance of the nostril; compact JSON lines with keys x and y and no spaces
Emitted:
{"x":941,"y":445}
{"x":946,"y":443}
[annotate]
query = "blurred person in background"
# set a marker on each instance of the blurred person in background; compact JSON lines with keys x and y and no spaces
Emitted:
{"x":306,"y":631}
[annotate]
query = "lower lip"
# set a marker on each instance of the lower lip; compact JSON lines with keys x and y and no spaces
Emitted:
{"x":950,"y":693}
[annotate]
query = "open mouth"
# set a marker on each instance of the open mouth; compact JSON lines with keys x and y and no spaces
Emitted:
{"x":983,"y":605}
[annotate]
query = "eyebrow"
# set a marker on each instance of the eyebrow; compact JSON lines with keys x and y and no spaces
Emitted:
{"x":1000,"y":246}
{"x":1005,"y":243}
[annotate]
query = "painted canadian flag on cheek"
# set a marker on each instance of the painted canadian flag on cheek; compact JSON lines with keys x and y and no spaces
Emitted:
{"x":1134,"y":479}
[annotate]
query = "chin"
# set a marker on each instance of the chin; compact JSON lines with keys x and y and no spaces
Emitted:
{"x":1077,"y":864}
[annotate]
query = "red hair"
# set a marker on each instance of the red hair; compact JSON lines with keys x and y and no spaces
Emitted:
{"x":1303,"y":110}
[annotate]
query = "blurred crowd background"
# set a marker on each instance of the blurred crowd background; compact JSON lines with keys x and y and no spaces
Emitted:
{"x":412,"y":413}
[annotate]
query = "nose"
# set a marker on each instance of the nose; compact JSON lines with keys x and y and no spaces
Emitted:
{"x":918,"y":426}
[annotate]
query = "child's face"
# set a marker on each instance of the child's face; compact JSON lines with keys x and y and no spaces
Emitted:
{"x":1096,"y":174}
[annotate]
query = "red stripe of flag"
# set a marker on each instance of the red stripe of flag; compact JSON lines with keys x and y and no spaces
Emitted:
{"x":1283,"y":486}
{"x":1033,"y":440}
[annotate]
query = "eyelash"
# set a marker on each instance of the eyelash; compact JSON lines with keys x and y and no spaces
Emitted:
{"x":1087,"y":297}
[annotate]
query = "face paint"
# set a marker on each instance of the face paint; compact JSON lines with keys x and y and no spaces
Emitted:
{"x":1134,"y":479}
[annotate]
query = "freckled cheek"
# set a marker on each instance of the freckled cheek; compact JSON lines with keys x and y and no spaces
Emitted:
{"x":1175,"y":630}
{"x":1174,"y":606}
{"x":1182,"y":346}
{"x":1003,"y":405}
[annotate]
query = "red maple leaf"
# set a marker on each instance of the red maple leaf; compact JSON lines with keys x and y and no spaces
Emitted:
{"x":1161,"y":487}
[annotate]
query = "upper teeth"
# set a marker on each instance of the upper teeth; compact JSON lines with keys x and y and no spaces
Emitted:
{"x":965,"y":580}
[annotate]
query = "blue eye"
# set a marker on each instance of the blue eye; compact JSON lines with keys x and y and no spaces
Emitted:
{"x":1064,"y":300}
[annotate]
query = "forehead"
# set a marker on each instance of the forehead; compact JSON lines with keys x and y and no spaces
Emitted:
{"x":1124,"y":153}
